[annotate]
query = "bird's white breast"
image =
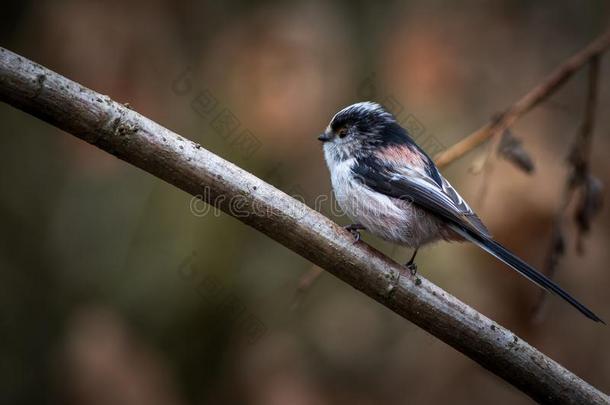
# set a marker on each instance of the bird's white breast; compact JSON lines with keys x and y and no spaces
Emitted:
{"x":392,"y":219}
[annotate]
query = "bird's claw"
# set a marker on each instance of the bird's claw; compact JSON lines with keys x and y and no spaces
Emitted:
{"x":412,"y":267}
{"x":355,"y":234}
{"x":354,"y":230}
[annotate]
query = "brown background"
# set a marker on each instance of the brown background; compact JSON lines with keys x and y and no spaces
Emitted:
{"x":113,"y":291}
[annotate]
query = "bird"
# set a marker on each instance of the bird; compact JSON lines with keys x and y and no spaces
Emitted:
{"x":388,"y":186}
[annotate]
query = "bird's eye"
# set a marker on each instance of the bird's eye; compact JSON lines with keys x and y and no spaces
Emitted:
{"x":342,"y":133}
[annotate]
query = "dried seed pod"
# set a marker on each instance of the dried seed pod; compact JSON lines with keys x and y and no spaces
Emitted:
{"x":511,"y":149}
{"x":590,"y":201}
{"x":556,"y":251}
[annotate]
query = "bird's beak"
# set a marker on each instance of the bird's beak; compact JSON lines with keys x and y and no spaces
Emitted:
{"x":325,"y":137}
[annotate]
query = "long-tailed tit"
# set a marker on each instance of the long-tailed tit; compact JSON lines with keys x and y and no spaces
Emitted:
{"x":390,"y":187}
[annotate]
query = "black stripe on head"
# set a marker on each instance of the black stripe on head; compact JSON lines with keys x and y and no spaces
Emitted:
{"x":363,"y":115}
{"x":393,"y":134}
{"x":371,"y":120}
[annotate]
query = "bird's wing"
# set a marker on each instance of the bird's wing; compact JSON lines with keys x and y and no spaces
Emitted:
{"x":425,"y":187}
{"x":428,"y":190}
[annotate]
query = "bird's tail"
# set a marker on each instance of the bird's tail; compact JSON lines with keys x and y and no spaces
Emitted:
{"x":500,"y":252}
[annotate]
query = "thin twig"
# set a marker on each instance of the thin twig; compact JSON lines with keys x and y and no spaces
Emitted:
{"x":305,"y":282}
{"x":136,"y":139}
{"x":577,"y":181}
{"x":581,"y":155}
{"x":485,"y":170}
{"x":525,"y":104}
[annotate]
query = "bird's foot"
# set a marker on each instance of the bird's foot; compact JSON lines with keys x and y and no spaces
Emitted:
{"x":412,"y":267}
{"x":354,"y":230}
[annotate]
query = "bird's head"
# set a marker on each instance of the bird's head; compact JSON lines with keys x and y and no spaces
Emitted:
{"x":359,"y":129}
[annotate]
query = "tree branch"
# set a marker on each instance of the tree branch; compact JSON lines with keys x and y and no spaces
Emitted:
{"x":135,"y":139}
{"x":525,"y":104}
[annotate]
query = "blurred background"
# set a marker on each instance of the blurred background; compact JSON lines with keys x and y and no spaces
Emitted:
{"x":116,"y":287}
